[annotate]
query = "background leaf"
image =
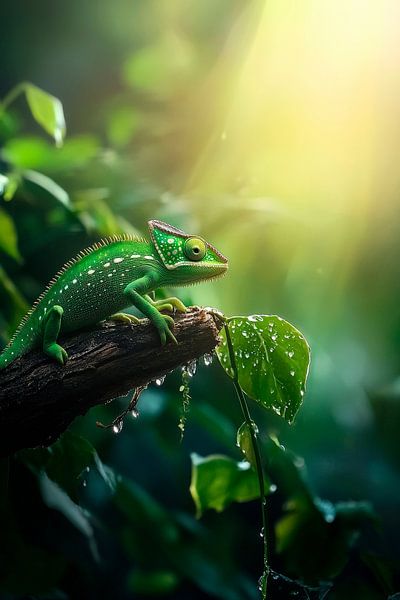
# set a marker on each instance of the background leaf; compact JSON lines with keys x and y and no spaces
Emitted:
{"x":218,"y":480}
{"x":273,"y":360}
{"x":8,"y":235}
{"x":47,"y":111}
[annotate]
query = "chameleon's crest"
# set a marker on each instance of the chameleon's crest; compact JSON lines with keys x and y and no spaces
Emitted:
{"x":178,"y":249}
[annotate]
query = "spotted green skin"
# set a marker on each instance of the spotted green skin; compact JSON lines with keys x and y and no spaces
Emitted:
{"x":108,"y":278}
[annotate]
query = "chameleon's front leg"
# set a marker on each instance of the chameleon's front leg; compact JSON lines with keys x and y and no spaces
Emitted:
{"x":51,"y":329}
{"x":135,"y":292}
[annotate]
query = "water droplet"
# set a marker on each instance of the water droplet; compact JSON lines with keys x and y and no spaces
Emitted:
{"x":301,"y":393}
{"x":245,"y":334}
{"x":84,"y":483}
{"x":191,"y":368}
{"x":117,"y":427}
{"x":255,"y":318}
{"x":290,"y":354}
{"x":208,"y":358}
{"x":160,"y":380}
{"x":246,"y":355}
{"x":292,"y":373}
{"x":135,"y":413}
{"x":87,"y":469}
{"x":272,"y":488}
{"x":274,"y":337}
{"x":262,"y":532}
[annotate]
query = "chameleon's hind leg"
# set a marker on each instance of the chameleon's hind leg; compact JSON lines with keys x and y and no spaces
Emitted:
{"x":168,"y":304}
{"x":51,"y":329}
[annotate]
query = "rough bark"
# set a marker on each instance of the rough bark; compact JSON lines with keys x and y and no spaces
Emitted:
{"x":39,"y":398}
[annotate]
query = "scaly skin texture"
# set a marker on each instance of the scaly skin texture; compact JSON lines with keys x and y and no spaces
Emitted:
{"x":111,"y":276}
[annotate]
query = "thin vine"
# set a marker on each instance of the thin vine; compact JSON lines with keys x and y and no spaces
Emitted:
{"x":257,"y":455}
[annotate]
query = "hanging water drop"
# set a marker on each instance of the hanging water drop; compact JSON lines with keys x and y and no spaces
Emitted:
{"x":207,"y":359}
{"x":135,"y":413}
{"x":292,"y":373}
{"x":117,"y":427}
{"x":191,"y":368}
{"x":160,"y":380}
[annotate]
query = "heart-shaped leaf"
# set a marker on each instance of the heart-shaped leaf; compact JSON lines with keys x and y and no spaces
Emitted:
{"x":218,"y":480}
{"x":272,"y":359}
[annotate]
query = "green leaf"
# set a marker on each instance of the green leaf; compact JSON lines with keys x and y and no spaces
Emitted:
{"x":14,"y":180}
{"x":218,"y":480}
{"x":47,"y":110}
{"x":3,"y":183}
{"x":12,"y":305}
{"x":153,"y":582}
{"x":245,"y":442}
{"x":36,"y":153}
{"x":8,"y":235}
{"x":314,"y":540}
{"x":65,"y":461}
{"x":49,"y":186}
{"x":272,"y":358}
{"x":54,"y":497}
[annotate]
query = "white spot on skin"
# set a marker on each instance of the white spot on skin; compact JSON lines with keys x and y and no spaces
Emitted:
{"x":118,"y":260}
{"x":91,"y":271}
{"x":135,"y":255}
{"x":65,"y":287}
{"x":107,"y":264}
{"x":73,"y":281}
{"x":170,"y":240}
{"x":110,"y":274}
{"x":149,"y":257}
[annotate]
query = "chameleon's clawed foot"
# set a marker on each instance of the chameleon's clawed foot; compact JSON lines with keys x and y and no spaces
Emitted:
{"x":164,"y":329}
{"x":56,"y":352}
{"x":170,"y":304}
{"x":124,"y":318}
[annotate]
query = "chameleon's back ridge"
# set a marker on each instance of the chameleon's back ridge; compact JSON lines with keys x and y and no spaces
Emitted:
{"x":112,"y":275}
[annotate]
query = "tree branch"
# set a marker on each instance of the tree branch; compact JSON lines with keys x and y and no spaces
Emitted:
{"x":39,"y":398}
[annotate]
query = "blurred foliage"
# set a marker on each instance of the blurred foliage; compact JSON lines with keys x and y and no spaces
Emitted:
{"x":272,"y":131}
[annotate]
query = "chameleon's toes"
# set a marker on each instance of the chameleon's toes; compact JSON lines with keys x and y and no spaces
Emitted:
{"x":166,"y":306}
{"x":178,"y":305}
{"x":172,"y":304}
{"x":57,"y":353}
{"x":124,"y":318}
{"x":164,"y":329}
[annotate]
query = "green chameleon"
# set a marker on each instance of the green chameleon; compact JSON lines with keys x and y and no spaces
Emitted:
{"x":110,"y":276}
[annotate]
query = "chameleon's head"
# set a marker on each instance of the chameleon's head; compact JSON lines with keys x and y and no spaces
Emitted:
{"x":190,"y":258}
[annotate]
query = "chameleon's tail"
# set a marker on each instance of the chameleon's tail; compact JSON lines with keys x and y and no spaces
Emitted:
{"x":7,"y":357}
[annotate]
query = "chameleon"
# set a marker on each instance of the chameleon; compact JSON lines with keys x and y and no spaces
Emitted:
{"x":111,"y":276}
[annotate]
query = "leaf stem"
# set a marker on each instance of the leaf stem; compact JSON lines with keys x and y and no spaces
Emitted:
{"x":12,"y":95}
{"x":256,"y":450}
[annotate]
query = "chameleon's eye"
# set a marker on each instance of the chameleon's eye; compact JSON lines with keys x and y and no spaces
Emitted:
{"x":194,"y":249}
